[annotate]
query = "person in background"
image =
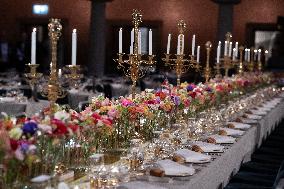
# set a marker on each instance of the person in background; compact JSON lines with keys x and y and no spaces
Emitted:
{"x":5,"y":51}
{"x":22,"y":52}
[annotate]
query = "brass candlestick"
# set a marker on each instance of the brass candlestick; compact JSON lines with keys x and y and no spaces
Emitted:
{"x":32,"y":77}
{"x":227,"y":62}
{"x":132,"y":67}
{"x":73,"y":76}
{"x":180,"y":64}
{"x":250,"y":64}
{"x":207,"y":69}
{"x":53,"y":91}
{"x":218,"y":71}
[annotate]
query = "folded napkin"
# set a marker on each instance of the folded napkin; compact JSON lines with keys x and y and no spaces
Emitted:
{"x":238,"y":125}
{"x":172,"y":168}
{"x":258,"y":112}
{"x":220,"y":139}
{"x":248,"y":121}
{"x":266,"y":109}
{"x":251,"y":116}
{"x":231,"y":132}
{"x":7,"y":99}
{"x":193,"y":157}
{"x":41,"y":178}
{"x":208,"y":147}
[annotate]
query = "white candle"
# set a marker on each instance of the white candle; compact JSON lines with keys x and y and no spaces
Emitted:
{"x":132,"y":40}
{"x":266,"y":55}
{"x":169,"y":43}
{"x":246,"y":52}
{"x":237,"y":49}
{"x":74,"y":46}
{"x":234,"y":54}
{"x":198,"y":54}
{"x":225,"y":48}
{"x":193,"y":45}
{"x":120,"y":40}
{"x":218,"y":53}
{"x":255,"y":55}
{"x":59,"y":73}
{"x":130,"y":49}
{"x":139,"y":42}
{"x":33,"y":49}
{"x":230,"y":49}
{"x":150,"y":42}
{"x":178,"y":45}
{"x":248,"y":55}
{"x":182,"y":44}
{"x":259,"y":55}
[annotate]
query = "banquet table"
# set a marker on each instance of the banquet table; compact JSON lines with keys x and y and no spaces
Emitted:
{"x":27,"y":107}
{"x":76,"y":96}
{"x":217,"y":173}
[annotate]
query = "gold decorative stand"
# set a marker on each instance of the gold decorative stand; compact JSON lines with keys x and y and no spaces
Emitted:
{"x":32,"y":77}
{"x":73,"y":76}
{"x":132,"y":67}
{"x":241,"y":66}
{"x":180,"y":64}
{"x":207,"y":69}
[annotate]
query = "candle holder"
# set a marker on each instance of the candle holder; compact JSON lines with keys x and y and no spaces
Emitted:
{"x":32,"y":77}
{"x":73,"y":76}
{"x":135,"y":66}
{"x":207,"y":69}
{"x":53,"y":90}
{"x":227,"y":61}
{"x":218,"y":71}
{"x":250,"y":64}
{"x":241,"y":66}
{"x":181,"y":64}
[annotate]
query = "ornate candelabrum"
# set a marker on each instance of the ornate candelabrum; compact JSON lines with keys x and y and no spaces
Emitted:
{"x":73,"y":76}
{"x":53,"y":90}
{"x":227,"y":61}
{"x":134,"y":66}
{"x":250,"y":62}
{"x":241,"y":66}
{"x":181,"y":64}
{"x":207,"y":69}
{"x":32,"y":77}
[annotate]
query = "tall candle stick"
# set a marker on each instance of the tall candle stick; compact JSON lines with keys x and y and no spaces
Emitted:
{"x":139,"y":42}
{"x":150,"y":42}
{"x":182,"y":44}
{"x":237,"y":49}
{"x":234,"y":54}
{"x":248,"y":55}
{"x":259,"y":55}
{"x":218,"y":53}
{"x":198,"y":54}
{"x":169,"y":43}
{"x":225,"y":48}
{"x":266,"y":55}
{"x":246,"y":52}
{"x":74,"y":46}
{"x":255,"y":55}
{"x":193,"y":45}
{"x":132,"y":40}
{"x":130,"y":49}
{"x":178,"y":45}
{"x":230,"y":49}
{"x":33,"y":49}
{"x":120,"y":40}
{"x":59,"y":73}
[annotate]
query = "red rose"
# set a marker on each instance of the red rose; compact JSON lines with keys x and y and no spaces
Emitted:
{"x":14,"y":144}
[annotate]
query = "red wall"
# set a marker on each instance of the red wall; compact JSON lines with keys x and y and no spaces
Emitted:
{"x":200,"y":16}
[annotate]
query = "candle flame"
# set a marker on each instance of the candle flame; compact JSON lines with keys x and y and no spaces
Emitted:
{"x":74,"y":30}
{"x":259,"y":50}
{"x":266,"y":51}
{"x":34,"y":29}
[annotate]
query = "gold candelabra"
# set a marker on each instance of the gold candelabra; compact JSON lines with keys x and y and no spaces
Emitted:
{"x":53,"y":90}
{"x":250,"y":62}
{"x":181,"y":64}
{"x":241,"y":66}
{"x":73,"y":76}
{"x":207,"y":69}
{"x":132,"y":66}
{"x":227,"y":61}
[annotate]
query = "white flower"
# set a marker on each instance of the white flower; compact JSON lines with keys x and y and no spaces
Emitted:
{"x":45,"y":128}
{"x":62,"y":115}
{"x":15,"y":133}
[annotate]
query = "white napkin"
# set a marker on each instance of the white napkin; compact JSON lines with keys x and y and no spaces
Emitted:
{"x":258,"y":112}
{"x":248,"y":121}
{"x":251,"y":116}
{"x":7,"y":99}
{"x":172,"y":168}
{"x":240,"y":125}
{"x":41,"y":178}
{"x":220,"y":139}
{"x":193,"y":157}
{"x":208,"y":147}
{"x":231,"y":132}
{"x":139,"y":185}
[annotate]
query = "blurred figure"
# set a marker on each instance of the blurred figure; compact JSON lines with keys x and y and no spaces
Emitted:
{"x":22,"y":52}
{"x":5,"y":51}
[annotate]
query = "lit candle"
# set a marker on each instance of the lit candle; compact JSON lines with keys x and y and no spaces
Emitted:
{"x":266,"y":55}
{"x":198,"y":54}
{"x":132,"y":40}
{"x":74,"y":46}
{"x":234,"y":53}
{"x":169,"y":43}
{"x":237,"y":49}
{"x":259,"y":55}
{"x":120,"y":40}
{"x":150,"y":42}
{"x":246,"y":52}
{"x":33,"y":49}
{"x":248,"y":55}
{"x":59,"y":73}
{"x":226,"y":48}
{"x":255,"y":55}
{"x":230,"y":49}
{"x":182,"y":44}
{"x":130,"y":50}
{"x":193,"y":45}
{"x":218,"y":53}
{"x":139,"y":42}
{"x":178,"y":45}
